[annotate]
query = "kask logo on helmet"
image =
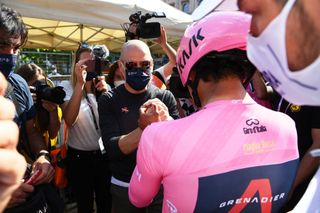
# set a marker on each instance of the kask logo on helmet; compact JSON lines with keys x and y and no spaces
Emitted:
{"x":186,"y":55}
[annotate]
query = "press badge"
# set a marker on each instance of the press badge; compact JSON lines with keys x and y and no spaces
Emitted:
{"x":102,"y":149}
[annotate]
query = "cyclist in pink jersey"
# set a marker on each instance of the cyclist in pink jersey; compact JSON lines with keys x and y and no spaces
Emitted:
{"x":232,"y":155}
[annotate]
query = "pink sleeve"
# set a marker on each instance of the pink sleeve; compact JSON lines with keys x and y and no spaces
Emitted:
{"x":145,"y":180}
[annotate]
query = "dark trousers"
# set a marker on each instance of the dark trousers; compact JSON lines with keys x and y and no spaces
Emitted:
{"x":121,"y":202}
{"x":89,"y":177}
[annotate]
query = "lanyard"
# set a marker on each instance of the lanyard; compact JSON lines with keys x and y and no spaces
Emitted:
{"x":92,"y":112}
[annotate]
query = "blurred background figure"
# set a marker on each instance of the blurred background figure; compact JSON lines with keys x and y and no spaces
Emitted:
{"x":115,"y":77}
{"x":54,"y":73}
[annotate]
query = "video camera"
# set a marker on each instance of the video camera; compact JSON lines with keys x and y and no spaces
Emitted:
{"x":45,"y":92}
{"x":138,"y":28}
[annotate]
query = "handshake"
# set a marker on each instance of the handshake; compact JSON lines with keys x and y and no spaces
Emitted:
{"x":152,"y":111}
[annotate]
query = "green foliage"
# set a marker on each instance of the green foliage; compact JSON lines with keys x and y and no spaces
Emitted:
{"x":47,"y":59}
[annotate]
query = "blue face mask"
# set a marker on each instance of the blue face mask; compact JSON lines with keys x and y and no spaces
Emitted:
{"x":137,"y":78}
{"x":7,"y":63}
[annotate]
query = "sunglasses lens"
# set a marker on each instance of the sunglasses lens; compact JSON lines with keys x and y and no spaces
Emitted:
{"x":4,"y":44}
{"x":130,"y":65}
{"x":145,"y":64}
{"x":142,"y":64}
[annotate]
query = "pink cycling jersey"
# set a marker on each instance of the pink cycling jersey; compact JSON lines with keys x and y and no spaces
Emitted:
{"x":230,"y":156}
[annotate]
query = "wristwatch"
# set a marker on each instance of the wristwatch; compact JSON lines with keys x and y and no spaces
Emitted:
{"x":46,"y":154}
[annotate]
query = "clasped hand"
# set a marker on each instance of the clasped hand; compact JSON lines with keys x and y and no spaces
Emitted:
{"x":152,"y":111}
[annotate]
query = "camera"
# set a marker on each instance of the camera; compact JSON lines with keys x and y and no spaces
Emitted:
{"x":99,"y":64}
{"x":45,"y":92}
{"x":138,"y":28}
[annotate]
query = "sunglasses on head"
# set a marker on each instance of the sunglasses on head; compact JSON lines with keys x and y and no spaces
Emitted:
{"x":143,"y":64}
{"x":84,"y":46}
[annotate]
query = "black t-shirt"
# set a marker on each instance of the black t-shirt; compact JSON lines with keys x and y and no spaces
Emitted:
{"x":118,"y":115}
{"x":306,"y":118}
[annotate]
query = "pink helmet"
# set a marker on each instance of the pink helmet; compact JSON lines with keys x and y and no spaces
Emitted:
{"x":219,"y":31}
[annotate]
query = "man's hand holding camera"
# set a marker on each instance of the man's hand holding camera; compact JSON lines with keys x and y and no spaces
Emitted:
{"x":152,"y":111}
{"x":162,"y":40}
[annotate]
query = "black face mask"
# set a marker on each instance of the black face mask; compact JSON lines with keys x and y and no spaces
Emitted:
{"x":7,"y":63}
{"x":137,"y":78}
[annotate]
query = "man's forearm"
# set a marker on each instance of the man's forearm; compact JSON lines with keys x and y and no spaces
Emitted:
{"x":36,"y":141}
{"x":170,"y":52}
{"x":129,"y":143}
{"x":71,"y":108}
{"x":54,"y":125}
{"x":306,"y":169}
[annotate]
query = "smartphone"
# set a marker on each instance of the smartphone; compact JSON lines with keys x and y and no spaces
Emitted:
{"x":97,"y":66}
{"x":33,"y":177}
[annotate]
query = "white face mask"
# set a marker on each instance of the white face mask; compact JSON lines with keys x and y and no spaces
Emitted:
{"x":268,"y":53}
{"x":118,"y":83}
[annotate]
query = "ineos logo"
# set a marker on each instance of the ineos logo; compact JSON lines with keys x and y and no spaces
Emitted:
{"x":252,"y":121}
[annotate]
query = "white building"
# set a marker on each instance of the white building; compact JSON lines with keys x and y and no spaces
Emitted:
{"x":187,"y":6}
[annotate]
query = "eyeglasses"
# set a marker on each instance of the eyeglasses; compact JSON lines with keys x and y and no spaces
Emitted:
{"x":133,"y":64}
{"x":4,"y":44}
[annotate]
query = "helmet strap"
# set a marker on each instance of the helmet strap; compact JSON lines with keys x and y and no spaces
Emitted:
{"x":194,"y":87}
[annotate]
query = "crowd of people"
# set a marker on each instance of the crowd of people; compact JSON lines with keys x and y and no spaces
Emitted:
{"x":239,"y":131}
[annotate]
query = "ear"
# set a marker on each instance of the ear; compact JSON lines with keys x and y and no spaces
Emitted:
{"x":122,"y":69}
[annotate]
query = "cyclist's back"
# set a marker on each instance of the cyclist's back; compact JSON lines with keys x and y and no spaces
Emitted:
{"x":228,"y":156}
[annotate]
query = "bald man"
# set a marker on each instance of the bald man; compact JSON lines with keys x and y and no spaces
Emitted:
{"x":122,"y":123}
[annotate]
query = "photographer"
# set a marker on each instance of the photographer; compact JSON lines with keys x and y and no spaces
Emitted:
{"x":47,"y":119}
{"x":87,"y":165}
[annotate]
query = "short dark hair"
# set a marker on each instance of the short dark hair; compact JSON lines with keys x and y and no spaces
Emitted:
{"x":11,"y":27}
{"x":219,"y":65}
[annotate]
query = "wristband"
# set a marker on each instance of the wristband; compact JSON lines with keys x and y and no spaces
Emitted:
{"x":45,"y":154}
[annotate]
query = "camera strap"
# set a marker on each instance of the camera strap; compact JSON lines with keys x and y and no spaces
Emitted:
{"x":92,"y":112}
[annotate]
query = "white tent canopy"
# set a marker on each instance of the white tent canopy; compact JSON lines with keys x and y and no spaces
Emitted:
{"x":62,"y":24}
{"x":207,"y":6}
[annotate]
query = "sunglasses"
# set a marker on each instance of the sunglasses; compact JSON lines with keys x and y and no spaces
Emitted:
{"x":85,"y":46}
{"x":143,"y":64}
{"x":4,"y":44}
